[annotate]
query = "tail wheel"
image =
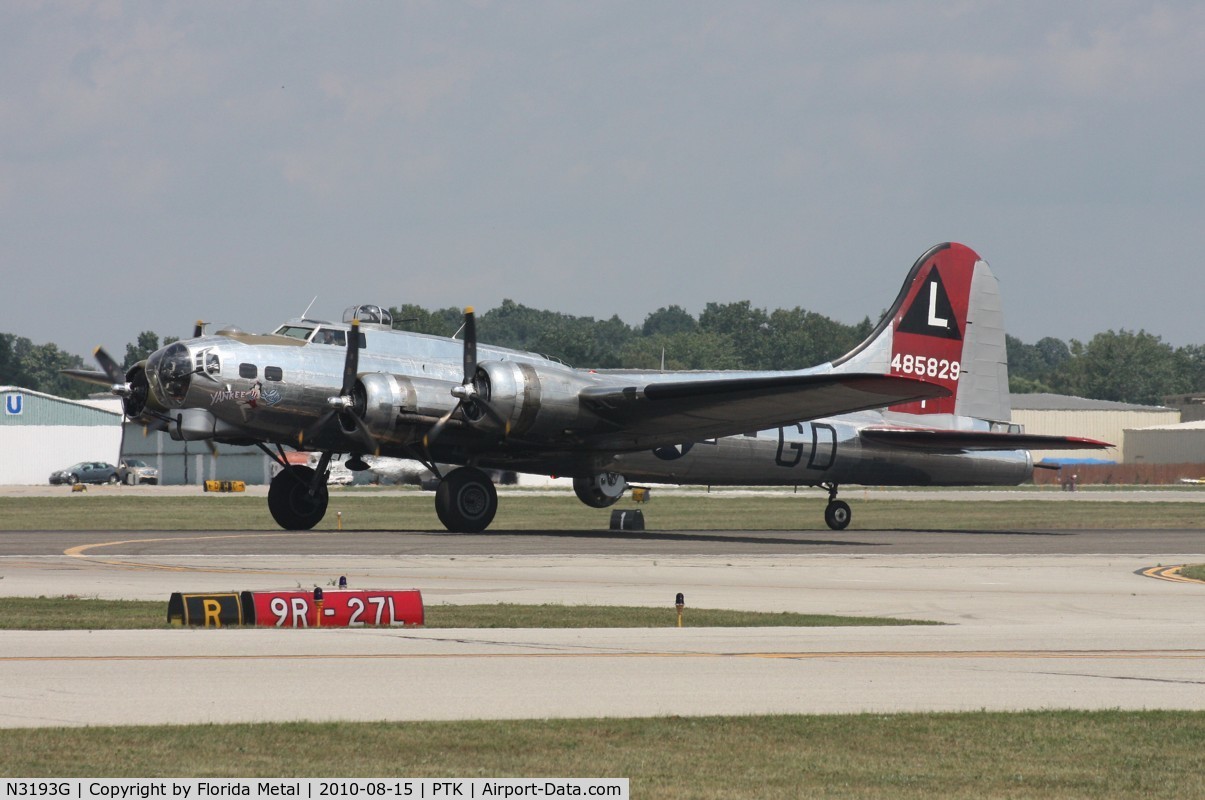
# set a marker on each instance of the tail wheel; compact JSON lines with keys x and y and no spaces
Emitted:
{"x":466,"y":501}
{"x":838,"y":515}
{"x":292,"y":505}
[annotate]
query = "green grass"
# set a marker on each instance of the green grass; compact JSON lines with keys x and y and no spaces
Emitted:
{"x":770,"y":510}
{"x":75,"y":613}
{"x":509,"y":615}
{"x":1048,"y":755}
{"x":1194,"y":571}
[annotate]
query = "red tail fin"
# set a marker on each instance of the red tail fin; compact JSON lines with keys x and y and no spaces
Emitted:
{"x":930,"y":325}
{"x":944,"y":327}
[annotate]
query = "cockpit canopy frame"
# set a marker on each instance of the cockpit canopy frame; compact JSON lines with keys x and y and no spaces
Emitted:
{"x":369,"y":315}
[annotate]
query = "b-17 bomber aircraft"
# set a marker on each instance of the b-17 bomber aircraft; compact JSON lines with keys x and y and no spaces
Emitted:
{"x":923,"y":401}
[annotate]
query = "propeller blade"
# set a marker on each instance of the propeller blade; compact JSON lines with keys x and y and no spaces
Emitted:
{"x":198,"y":330}
{"x":315,"y":430}
{"x":88,"y":376}
{"x":494,"y":415}
{"x":432,"y":434}
{"x":351,"y":365}
{"x":359,"y":434}
{"x":109,"y":365}
{"x":470,"y":345}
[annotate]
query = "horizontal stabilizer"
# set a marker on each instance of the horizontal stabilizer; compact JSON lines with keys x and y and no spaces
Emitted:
{"x":943,"y":440}
{"x":671,"y":412}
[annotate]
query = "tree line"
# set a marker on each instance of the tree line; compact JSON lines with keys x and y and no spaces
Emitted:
{"x":1126,"y":366}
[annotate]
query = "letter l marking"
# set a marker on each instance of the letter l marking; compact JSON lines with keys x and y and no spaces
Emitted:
{"x":934,"y":320}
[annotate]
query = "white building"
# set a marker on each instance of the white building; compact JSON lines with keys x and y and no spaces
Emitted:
{"x":41,"y":433}
{"x":1167,"y":444}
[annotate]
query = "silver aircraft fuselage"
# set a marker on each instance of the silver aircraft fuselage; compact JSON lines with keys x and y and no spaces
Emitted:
{"x":234,"y":386}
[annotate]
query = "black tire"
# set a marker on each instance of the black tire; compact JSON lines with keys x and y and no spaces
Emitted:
{"x":838,"y":515}
{"x":466,"y":501}
{"x":72,"y":480}
{"x":113,"y":480}
{"x":290,"y":501}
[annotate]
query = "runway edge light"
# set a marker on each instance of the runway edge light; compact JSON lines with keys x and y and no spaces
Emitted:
{"x":680,"y":603}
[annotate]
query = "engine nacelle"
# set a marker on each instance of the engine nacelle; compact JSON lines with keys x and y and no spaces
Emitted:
{"x":380,"y":399}
{"x":514,"y":398}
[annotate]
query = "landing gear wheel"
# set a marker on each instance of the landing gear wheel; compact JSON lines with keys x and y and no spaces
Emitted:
{"x":466,"y":500}
{"x":600,"y":491}
{"x":290,"y":501}
{"x":837,"y":515}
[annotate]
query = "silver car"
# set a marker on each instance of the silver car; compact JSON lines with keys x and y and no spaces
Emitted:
{"x":132,"y":471}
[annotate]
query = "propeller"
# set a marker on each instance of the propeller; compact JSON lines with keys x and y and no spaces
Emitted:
{"x":344,"y":404}
{"x":113,"y":371}
{"x":198,"y":329}
{"x":468,"y":397}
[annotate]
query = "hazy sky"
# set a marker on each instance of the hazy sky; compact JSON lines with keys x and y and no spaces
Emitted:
{"x":163,"y":162}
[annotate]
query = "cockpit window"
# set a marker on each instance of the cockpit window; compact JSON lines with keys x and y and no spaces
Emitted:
{"x":170,"y":371}
{"x":331,"y":336}
{"x":294,"y":331}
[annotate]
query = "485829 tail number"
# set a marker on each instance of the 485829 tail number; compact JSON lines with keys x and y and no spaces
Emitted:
{"x":926,"y":367}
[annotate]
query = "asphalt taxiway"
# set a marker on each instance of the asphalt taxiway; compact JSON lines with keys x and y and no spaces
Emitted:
{"x":1033,"y":619}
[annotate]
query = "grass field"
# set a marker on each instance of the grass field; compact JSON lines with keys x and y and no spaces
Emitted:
{"x":770,"y":510}
{"x":1049,"y":755}
{"x":75,"y":613}
{"x":1194,"y":571}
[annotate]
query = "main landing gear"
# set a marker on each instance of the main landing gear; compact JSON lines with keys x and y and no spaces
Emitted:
{"x":837,"y":513}
{"x":298,"y":497}
{"x":466,"y":500}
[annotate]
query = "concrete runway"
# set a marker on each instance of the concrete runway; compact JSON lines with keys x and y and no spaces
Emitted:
{"x":1034,"y":620}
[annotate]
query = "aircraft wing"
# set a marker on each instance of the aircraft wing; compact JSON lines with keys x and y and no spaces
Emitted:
{"x":672,"y":412}
{"x":958,"y":441}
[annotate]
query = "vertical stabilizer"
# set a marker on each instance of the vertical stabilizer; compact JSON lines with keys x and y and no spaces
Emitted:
{"x":945,"y":327}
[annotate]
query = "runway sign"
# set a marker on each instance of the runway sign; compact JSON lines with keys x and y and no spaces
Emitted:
{"x":334,"y":608}
{"x":205,"y":610}
{"x":225,"y":486}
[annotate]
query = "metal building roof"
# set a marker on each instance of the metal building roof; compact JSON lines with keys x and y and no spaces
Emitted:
{"x":1182,"y":427}
{"x":1041,"y":401}
{"x":25,"y":407}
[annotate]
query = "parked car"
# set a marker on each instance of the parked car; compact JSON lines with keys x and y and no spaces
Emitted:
{"x":132,"y":471}
{"x":86,"y":472}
